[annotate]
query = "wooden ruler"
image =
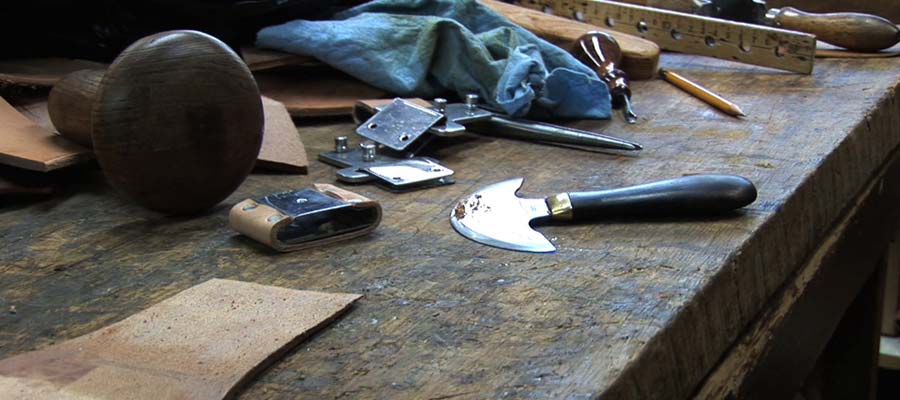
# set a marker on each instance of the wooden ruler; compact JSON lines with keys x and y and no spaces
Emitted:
{"x":693,"y":34}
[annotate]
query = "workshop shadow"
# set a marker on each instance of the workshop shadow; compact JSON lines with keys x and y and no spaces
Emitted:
{"x":21,"y":188}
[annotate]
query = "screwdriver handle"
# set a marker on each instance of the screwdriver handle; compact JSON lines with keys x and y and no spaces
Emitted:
{"x":600,"y":51}
{"x":853,"y":31}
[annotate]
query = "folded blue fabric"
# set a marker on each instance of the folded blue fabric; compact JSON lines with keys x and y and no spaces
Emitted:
{"x":427,"y":48}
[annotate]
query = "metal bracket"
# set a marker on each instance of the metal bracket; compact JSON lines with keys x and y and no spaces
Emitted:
{"x":401,"y":123}
{"x":364,"y":164}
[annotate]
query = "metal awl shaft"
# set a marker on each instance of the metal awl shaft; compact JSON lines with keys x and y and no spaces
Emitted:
{"x":627,"y":111}
{"x":532,"y":130}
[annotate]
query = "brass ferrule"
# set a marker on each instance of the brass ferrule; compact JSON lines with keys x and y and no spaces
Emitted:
{"x":560,"y":206}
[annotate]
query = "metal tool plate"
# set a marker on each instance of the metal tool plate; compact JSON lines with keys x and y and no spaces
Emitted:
{"x":409,"y":172}
{"x":395,"y":174}
{"x":458,"y":115}
{"x":693,"y":34}
{"x":399,"y":124}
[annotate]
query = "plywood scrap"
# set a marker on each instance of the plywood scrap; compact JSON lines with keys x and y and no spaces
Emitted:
{"x":25,"y":144}
{"x":282,"y":149}
{"x":316,"y":95}
{"x":203,"y":343}
{"x":262,"y":59}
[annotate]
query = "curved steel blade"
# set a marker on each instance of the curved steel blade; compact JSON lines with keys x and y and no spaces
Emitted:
{"x":495,"y":216}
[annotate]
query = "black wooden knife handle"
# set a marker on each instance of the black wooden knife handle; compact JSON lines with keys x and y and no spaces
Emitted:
{"x":689,"y":195}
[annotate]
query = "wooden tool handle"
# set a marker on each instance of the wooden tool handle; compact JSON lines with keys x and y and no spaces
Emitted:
{"x":70,"y":102}
{"x":688,"y":195}
{"x":853,"y":31}
{"x":601,"y":52}
{"x":640,"y":57}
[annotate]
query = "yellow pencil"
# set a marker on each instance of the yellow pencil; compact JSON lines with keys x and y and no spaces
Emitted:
{"x":702,"y":93}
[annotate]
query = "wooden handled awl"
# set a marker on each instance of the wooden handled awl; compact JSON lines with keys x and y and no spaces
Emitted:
{"x":853,"y":31}
{"x":600,"y":51}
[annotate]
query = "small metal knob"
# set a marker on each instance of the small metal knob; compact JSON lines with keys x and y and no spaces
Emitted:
{"x":440,"y":105}
{"x":340,"y":144}
{"x":471,"y":101}
{"x":368,"y":151}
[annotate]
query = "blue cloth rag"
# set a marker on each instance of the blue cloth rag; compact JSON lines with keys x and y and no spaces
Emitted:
{"x":427,"y":48}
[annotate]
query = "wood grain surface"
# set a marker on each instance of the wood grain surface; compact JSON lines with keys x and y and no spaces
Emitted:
{"x":177,"y":123}
{"x":42,"y":71}
{"x":203,"y":343}
{"x":626,"y":309}
{"x":25,"y":144}
{"x":315,"y":93}
{"x":883,"y":8}
{"x":640,"y":57}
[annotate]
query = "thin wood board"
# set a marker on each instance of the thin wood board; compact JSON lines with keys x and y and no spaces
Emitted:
{"x":693,"y":34}
{"x":24,"y":144}
{"x":42,"y":71}
{"x":316,"y":95}
{"x":203,"y":343}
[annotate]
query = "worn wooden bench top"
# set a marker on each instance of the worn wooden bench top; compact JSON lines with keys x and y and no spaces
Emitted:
{"x":629,"y":309}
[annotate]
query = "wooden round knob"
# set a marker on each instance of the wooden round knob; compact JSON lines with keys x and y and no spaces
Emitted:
{"x":177,"y":122}
{"x":70,"y":103}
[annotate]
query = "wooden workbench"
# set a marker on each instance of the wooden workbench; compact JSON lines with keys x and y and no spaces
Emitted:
{"x":623,"y":310}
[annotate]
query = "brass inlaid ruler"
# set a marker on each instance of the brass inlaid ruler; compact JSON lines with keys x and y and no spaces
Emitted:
{"x":693,"y":34}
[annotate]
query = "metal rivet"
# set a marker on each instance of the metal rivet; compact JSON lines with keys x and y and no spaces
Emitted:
{"x":368,"y":151}
{"x":440,"y":105}
{"x":340,"y":144}
{"x":249,"y":207}
{"x":301,"y":200}
{"x":471,"y":101}
{"x":275,"y":218}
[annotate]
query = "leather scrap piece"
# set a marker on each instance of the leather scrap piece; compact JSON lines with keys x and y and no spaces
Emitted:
{"x":206,"y":342}
{"x":24,"y":144}
{"x":282,"y":149}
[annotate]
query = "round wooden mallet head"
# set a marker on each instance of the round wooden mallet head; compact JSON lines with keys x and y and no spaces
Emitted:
{"x":177,"y":122}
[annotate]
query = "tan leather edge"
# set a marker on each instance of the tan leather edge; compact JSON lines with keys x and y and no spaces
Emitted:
{"x":343,"y":194}
{"x":252,"y":219}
